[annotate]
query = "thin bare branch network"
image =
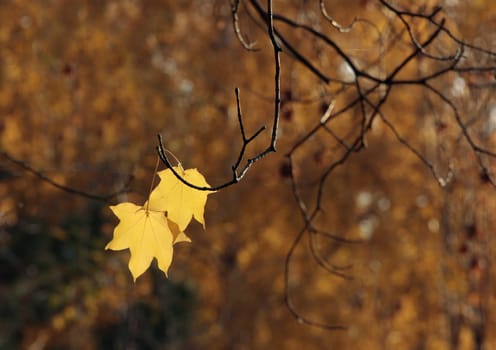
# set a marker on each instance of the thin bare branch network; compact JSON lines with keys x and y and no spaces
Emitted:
{"x":367,"y":84}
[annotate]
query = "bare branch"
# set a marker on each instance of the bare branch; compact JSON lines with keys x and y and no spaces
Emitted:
{"x":238,"y":174}
{"x":71,"y":190}
{"x":287,"y":290}
{"x":324,"y":264}
{"x":335,"y":24}
{"x":250,"y":46}
{"x":443,"y":181}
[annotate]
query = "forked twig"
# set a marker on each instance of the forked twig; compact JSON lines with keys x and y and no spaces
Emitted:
{"x":237,"y":172}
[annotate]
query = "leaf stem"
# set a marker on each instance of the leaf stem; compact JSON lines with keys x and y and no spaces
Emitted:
{"x":177,"y":160}
{"x":151,"y":185}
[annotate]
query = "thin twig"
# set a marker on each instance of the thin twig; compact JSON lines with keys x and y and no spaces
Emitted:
{"x":249,"y":46}
{"x":238,"y":173}
{"x":333,"y":22}
{"x":45,"y":178}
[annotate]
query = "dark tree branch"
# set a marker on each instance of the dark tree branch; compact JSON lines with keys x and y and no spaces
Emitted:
{"x":324,"y":264}
{"x":238,"y":173}
{"x":443,"y":181}
{"x":287,"y":292}
{"x":104,"y":198}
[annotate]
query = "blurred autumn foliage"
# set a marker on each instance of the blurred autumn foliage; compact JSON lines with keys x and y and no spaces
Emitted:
{"x":85,"y":87}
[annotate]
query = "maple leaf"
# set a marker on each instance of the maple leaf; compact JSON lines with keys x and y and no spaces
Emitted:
{"x":181,"y":202}
{"x":147,"y":235}
{"x":150,"y":231}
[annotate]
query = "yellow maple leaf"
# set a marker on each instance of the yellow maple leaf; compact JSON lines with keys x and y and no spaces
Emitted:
{"x":147,"y":235}
{"x":181,"y":202}
{"x":150,"y":231}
